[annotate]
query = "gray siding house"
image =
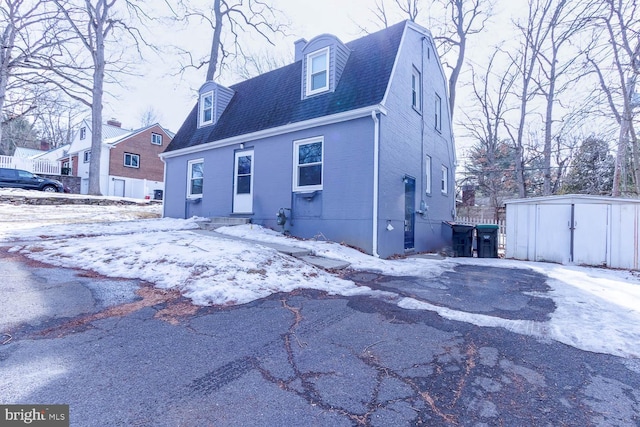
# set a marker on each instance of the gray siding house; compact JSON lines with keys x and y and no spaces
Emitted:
{"x":353,"y":141}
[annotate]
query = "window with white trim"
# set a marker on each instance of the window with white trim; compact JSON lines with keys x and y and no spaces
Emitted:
{"x":438,"y":112}
{"x":427,"y":174}
{"x":86,"y":156}
{"x":318,"y":71}
{"x":444,"y":181}
{"x":156,"y":139}
{"x":83,"y":132}
{"x":131,"y":160}
{"x":206,"y":108}
{"x":195,"y":178}
{"x":307,"y":164}
{"x":416,"y":90}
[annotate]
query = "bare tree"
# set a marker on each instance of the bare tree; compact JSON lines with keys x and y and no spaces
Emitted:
{"x":228,"y":20}
{"x":256,"y":64}
{"x":27,"y":29}
{"x":149,"y":116}
{"x":488,"y":162}
{"x":556,"y":72}
{"x":80,"y":67}
{"x":55,"y":117}
{"x":465,"y":18}
{"x":459,"y":20}
{"x":619,"y":21}
{"x":533,"y":34}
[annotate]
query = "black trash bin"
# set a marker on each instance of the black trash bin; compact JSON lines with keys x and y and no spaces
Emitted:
{"x":157,"y":194}
{"x":462,"y":239}
{"x":487,"y":240}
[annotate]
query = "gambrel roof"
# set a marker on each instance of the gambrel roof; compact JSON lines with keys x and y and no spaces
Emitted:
{"x":274,"y":99}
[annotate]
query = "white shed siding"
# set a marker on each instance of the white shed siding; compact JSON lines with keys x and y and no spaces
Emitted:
{"x":606,"y":231}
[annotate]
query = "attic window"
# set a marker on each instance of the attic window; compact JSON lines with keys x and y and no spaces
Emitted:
{"x":83,"y":132}
{"x":156,"y":139}
{"x":318,"y":71}
{"x":206,"y":108}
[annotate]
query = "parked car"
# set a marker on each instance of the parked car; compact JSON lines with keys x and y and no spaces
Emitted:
{"x":18,"y":178}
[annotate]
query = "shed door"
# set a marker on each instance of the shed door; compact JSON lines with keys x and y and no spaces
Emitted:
{"x":243,"y":182}
{"x":552,"y":235}
{"x":590,"y":234}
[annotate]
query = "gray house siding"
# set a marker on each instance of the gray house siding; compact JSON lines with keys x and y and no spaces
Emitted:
{"x":403,"y":151}
{"x":375,"y":76}
{"x":341,"y":211}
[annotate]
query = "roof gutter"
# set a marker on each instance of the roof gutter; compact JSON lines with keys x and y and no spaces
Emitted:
{"x":291,"y":127}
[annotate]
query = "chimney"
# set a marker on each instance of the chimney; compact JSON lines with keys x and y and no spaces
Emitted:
{"x":114,"y":122}
{"x":468,"y":195}
{"x":299,"y":45}
{"x":44,"y":145}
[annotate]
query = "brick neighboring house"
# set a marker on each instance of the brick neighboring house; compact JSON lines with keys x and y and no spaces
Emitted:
{"x":129,"y":162}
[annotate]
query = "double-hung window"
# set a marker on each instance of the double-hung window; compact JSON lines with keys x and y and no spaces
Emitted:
{"x":156,"y":139}
{"x":131,"y":160}
{"x":206,"y":108}
{"x":438,"y":113}
{"x":444,"y":181}
{"x":318,"y":71}
{"x":87,"y":156}
{"x":427,"y":173}
{"x":416,"y":90}
{"x":307,"y":164}
{"x":195,"y":178}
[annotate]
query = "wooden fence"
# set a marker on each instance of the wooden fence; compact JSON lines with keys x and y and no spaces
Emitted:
{"x":44,"y":167}
{"x":502,"y":230}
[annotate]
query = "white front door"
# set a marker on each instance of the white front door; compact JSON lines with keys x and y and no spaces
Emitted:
{"x":243,"y":182}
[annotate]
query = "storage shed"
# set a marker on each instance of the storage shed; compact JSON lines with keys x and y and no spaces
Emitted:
{"x":574,"y":229}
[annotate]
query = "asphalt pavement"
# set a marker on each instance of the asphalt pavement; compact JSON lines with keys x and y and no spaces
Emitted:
{"x":139,"y":356}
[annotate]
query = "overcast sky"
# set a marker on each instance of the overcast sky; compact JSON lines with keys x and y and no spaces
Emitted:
{"x":172,"y":95}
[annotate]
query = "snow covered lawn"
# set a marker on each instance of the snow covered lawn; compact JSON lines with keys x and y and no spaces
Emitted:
{"x":597,"y":309}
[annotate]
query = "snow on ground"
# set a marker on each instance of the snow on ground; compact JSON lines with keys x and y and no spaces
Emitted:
{"x":597,"y":309}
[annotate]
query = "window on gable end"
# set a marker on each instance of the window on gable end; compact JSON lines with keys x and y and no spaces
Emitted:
{"x":206,"y":108}
{"x":156,"y":139}
{"x":416,"y":90}
{"x":444,"y":182}
{"x":427,"y":173}
{"x":83,"y":132}
{"x":318,"y":71}
{"x":438,"y":113}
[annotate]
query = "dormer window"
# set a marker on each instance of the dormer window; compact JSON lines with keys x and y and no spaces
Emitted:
{"x":206,"y":108}
{"x":318,"y":71}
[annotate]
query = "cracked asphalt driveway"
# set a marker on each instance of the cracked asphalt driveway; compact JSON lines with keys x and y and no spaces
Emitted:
{"x":141,"y":356}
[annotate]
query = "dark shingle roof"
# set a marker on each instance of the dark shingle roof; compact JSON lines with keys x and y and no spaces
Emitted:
{"x":274,"y":99}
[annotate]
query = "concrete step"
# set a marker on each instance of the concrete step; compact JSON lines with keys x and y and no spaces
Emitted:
{"x":217,"y":222}
{"x":325,"y":263}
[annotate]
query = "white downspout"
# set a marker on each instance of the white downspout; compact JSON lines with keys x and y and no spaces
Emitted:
{"x":376,"y":148}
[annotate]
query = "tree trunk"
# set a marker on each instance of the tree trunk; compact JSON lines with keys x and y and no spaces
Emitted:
{"x":96,"y":102}
{"x":215,"y":42}
{"x":546,"y":187}
{"x":618,"y":175}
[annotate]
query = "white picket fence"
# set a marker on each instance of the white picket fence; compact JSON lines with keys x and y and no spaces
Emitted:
{"x":44,"y":167}
{"x":502,"y":230}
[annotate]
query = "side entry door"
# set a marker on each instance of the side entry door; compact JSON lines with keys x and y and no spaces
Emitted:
{"x":243,"y":182}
